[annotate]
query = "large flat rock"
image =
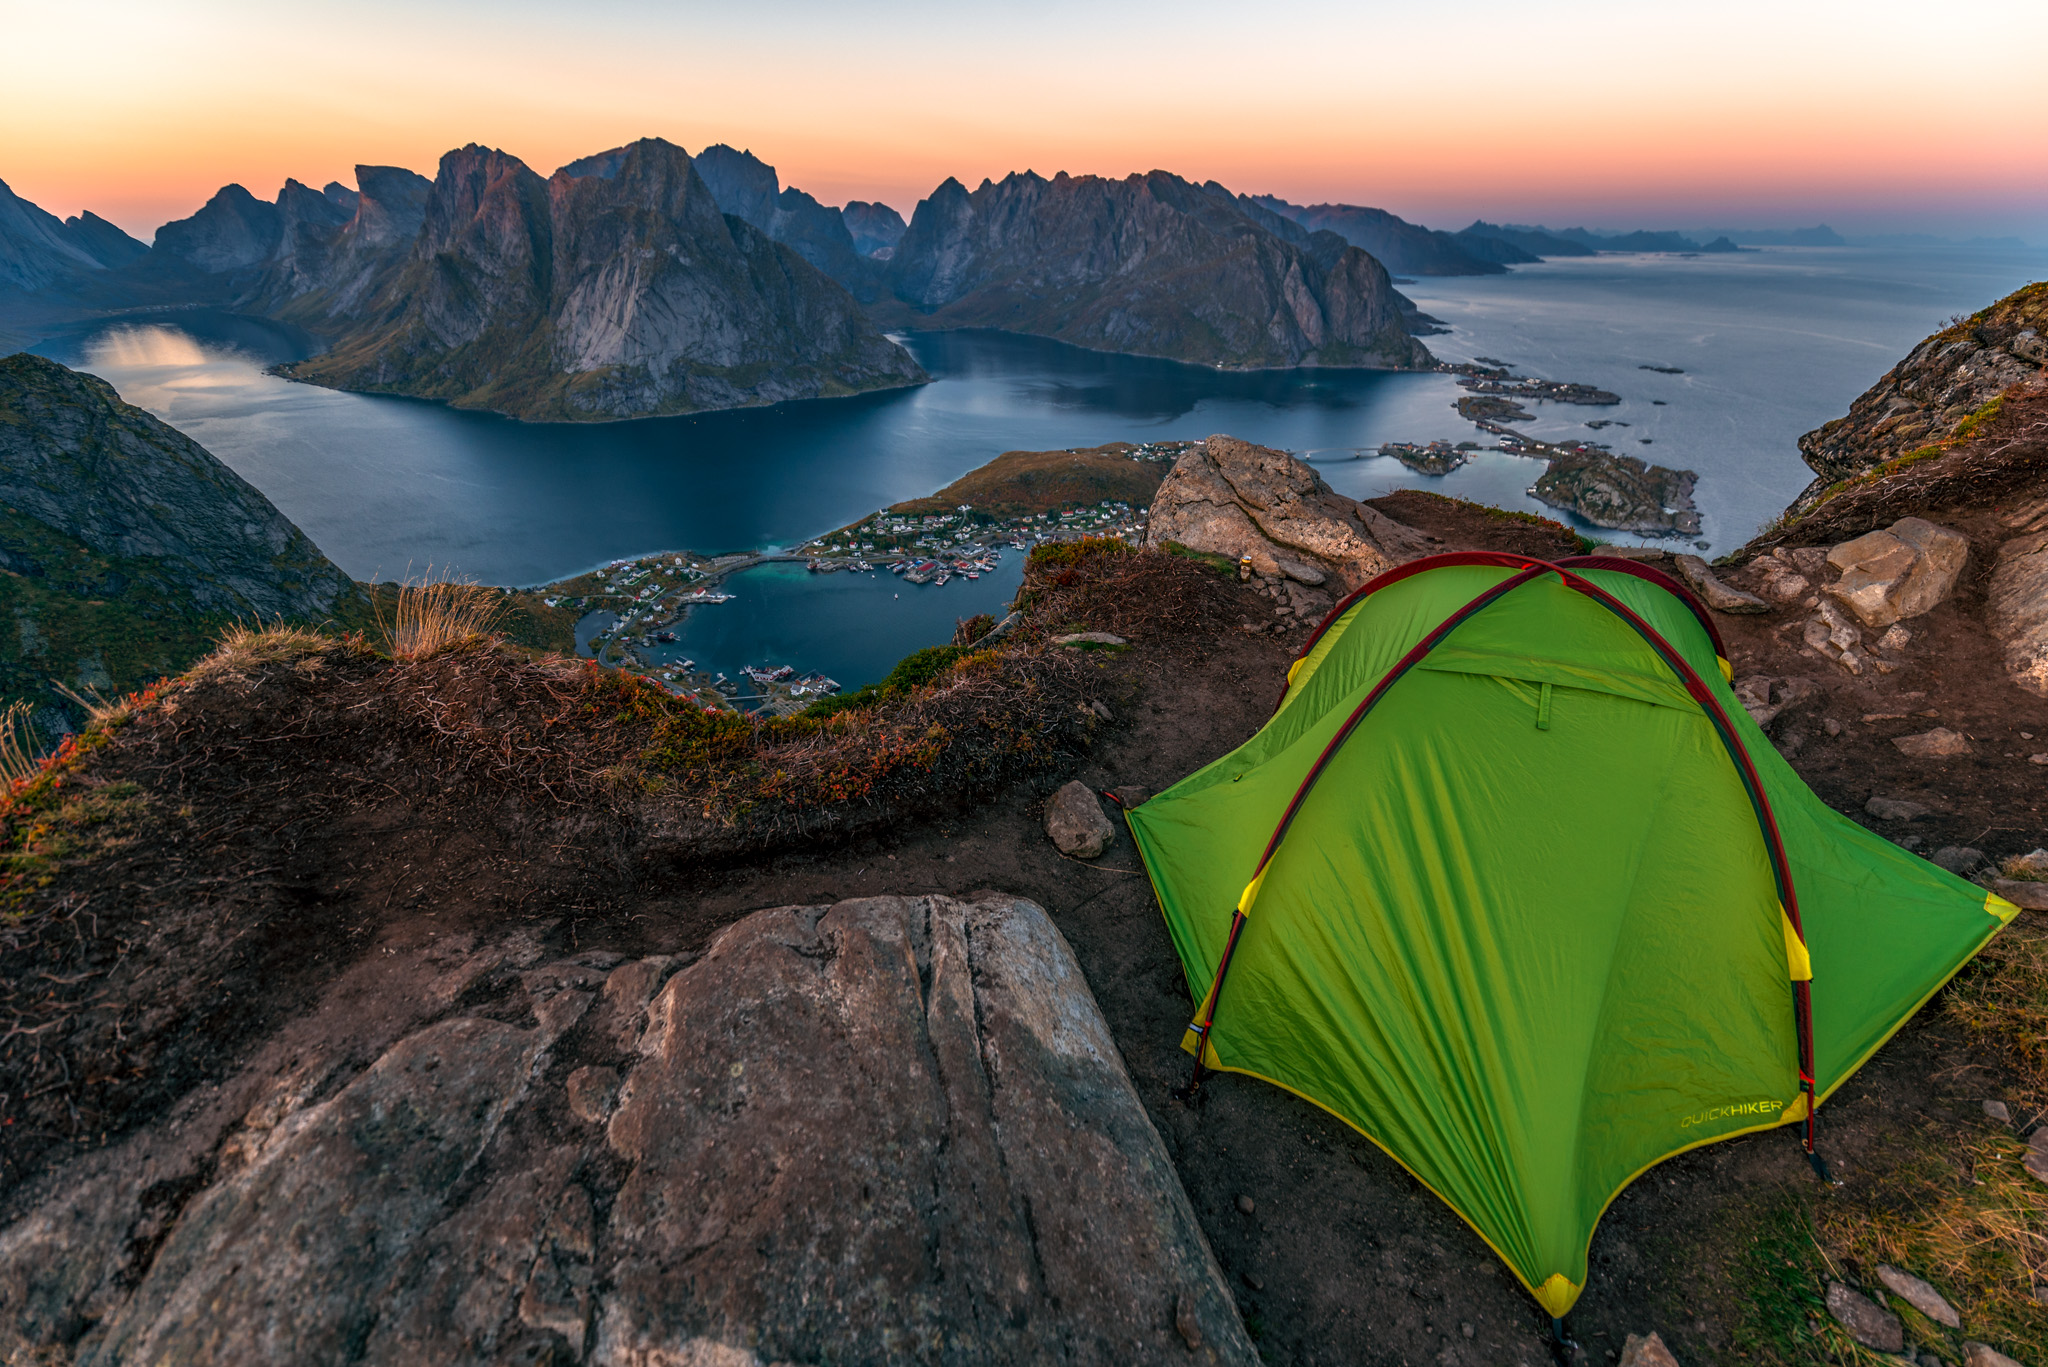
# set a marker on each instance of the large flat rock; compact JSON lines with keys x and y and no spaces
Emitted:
{"x":1229,"y":497}
{"x":886,"y":1130}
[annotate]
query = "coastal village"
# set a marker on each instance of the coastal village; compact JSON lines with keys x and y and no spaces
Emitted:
{"x":633,"y":608}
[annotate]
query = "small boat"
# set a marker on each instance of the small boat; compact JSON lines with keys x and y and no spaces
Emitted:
{"x":974,"y":574}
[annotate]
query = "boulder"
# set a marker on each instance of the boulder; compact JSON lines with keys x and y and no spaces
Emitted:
{"x":1229,"y":497}
{"x":1919,"y":1295}
{"x":1075,"y":821}
{"x":1713,"y":592}
{"x":1940,"y":743}
{"x":2016,"y":609}
{"x":893,"y":1129}
{"x":1902,"y":571}
{"x":1646,"y":1351}
{"x":1866,"y":1323}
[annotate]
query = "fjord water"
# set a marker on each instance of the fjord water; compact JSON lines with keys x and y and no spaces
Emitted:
{"x":1772,"y":343}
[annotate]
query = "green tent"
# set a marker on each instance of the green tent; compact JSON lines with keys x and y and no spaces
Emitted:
{"x":1512,"y":884}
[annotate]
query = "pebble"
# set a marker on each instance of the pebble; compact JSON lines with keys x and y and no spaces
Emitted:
{"x":1894,"y":809}
{"x":1646,"y":1350}
{"x":1940,"y":743}
{"x":1866,"y":1323}
{"x":1244,"y":1204}
{"x":1984,"y":1355}
{"x":1919,"y":1295}
{"x":2041,"y":758}
{"x":1254,"y":1283}
{"x":1998,"y":1111}
{"x":1185,"y":1321}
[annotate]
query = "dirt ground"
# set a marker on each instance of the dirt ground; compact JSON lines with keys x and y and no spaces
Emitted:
{"x":338,"y":910}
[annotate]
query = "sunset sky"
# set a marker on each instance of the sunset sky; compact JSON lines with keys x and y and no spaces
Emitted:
{"x":1874,"y":116}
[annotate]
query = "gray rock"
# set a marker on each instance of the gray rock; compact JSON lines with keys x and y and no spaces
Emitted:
{"x":1717,"y":595}
{"x":1895,"y":639}
{"x":1902,"y":571}
{"x":1984,"y":1355}
{"x":1940,"y":743}
{"x":1999,"y":1111}
{"x":2036,"y":1160}
{"x":912,"y":1109}
{"x":1075,"y":822}
{"x":1090,"y":638}
{"x":1246,"y":1205}
{"x":2016,"y":609}
{"x":1960,"y":860}
{"x":1229,"y":497}
{"x":1919,"y":1295}
{"x":1764,"y":697}
{"x":1646,"y":1351}
{"x":2025,"y":893}
{"x":1129,"y":795}
{"x":889,"y":1122}
{"x":1894,"y":809}
{"x":287,"y":1260}
{"x":1866,"y":1323}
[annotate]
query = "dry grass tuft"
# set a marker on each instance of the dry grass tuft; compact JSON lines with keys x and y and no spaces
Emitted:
{"x":441,"y":615}
{"x":18,"y":760}
{"x":243,"y":651}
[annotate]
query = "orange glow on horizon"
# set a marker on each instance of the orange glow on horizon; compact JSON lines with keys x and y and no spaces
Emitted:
{"x":1589,"y":112}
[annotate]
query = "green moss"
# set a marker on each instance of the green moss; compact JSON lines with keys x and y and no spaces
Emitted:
{"x":1221,"y":564}
{"x":1782,"y":1279}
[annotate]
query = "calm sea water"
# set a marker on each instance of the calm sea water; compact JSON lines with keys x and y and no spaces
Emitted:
{"x":1772,"y":344}
{"x":850,"y":627}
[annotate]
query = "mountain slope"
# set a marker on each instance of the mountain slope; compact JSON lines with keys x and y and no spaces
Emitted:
{"x":1930,"y":398}
{"x":1399,"y":245}
{"x":749,"y":188}
{"x":126,"y":545}
{"x":1151,"y":264}
{"x":38,"y":249}
{"x":614,"y":289}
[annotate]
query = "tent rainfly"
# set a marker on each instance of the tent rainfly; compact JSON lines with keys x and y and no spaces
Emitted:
{"x":1524,"y":895}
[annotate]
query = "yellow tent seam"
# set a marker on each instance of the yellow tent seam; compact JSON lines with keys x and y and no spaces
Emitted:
{"x":1798,"y":963}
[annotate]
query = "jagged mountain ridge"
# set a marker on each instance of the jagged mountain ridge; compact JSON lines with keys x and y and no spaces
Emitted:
{"x":1401,"y":246}
{"x":1151,"y":264}
{"x":615,"y":288}
{"x":38,"y":249}
{"x":745,"y":185}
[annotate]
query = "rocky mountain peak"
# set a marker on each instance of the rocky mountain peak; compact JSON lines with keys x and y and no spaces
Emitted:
{"x":615,"y":288}
{"x":232,"y":231}
{"x":1111,"y":264}
{"x":876,"y":228}
{"x":741,"y":182}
